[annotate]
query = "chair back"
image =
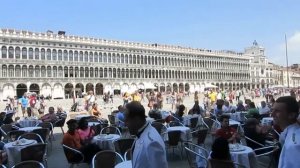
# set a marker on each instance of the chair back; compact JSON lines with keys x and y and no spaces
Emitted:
{"x":33,"y":152}
{"x":73,"y":156}
{"x":235,"y":126}
{"x":15,"y":133}
{"x":174,"y":137}
{"x":160,"y":121}
{"x":208,"y":122}
{"x":201,"y":136}
{"x":122,"y":145}
{"x":128,"y":154}
{"x":97,"y":128}
{"x":60,"y":122}
{"x":2,"y":166}
{"x":160,"y":128}
{"x":175,"y":124}
{"x":110,"y":130}
{"x":193,"y":122}
{"x":194,"y":158}
{"x":43,"y":133}
{"x":48,"y":125}
{"x":29,"y":164}
{"x":6,"y":128}
{"x":112,"y":119}
{"x":32,"y":136}
{"x":107,"y":159}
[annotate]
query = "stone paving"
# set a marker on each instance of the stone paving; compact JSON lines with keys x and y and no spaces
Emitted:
{"x":56,"y":157}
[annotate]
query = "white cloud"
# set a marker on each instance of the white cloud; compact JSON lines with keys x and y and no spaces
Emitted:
{"x":293,"y":46}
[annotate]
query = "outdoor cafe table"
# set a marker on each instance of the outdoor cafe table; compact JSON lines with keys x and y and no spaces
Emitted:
{"x":78,"y":117}
{"x":125,"y":164}
{"x":105,"y":142}
{"x":238,"y":116}
{"x":245,"y":156}
{"x":29,"y":129}
{"x":29,"y":122}
{"x":187,"y":119}
{"x":267,"y":121}
{"x":185,"y":132}
{"x":14,"y":151}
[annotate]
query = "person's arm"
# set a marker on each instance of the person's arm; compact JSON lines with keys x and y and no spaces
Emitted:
{"x":157,"y":155}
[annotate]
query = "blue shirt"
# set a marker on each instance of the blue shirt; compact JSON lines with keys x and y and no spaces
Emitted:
{"x":120,"y":116}
{"x":24,"y":102}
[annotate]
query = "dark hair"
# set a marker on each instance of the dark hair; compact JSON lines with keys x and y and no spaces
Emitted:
{"x":71,"y":121}
{"x":135,"y":109}
{"x":222,"y":117}
{"x":181,"y":108}
{"x":290,"y":103}
{"x":220,"y":149}
{"x":82,"y":123}
{"x":251,"y":105}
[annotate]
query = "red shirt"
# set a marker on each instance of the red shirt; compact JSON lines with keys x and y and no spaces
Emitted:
{"x":225,"y":133}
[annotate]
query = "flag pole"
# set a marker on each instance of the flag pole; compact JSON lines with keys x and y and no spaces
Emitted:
{"x":287,"y":62}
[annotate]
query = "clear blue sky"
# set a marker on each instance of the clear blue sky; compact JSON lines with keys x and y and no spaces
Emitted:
{"x":211,"y":24}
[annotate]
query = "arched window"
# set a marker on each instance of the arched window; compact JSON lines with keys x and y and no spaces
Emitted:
{"x":18,"y":53}
{"x":30,"y":71}
{"x":109,"y":58}
{"x":37,"y":71}
{"x":43,"y":71}
{"x":11,"y":52}
{"x":96,"y":57}
{"x":18,"y":71}
{"x":86,"y":57}
{"x":60,"y":72}
{"x":65,"y":55}
{"x":4,"y":52}
{"x":11,"y":71}
{"x":30,"y":53}
{"x":91,"y":57}
{"x":114,"y":58}
{"x":49,"y":71}
{"x":104,"y":58}
{"x":24,"y":53}
{"x":81,"y":56}
{"x":100,"y":57}
{"x":60,"y":55}
{"x":70,"y":55}
{"x":4,"y":70}
{"x":76,"y":56}
{"x":42,"y":54}
{"x":54,"y":71}
{"x":48,"y":54}
{"x":36,"y":54}
{"x":54,"y":55}
{"x":24,"y":71}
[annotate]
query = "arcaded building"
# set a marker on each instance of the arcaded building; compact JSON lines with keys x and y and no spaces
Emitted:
{"x":60,"y":65}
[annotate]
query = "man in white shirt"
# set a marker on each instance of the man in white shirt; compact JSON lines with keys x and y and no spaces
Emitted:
{"x":90,"y":100}
{"x":264,"y":109}
{"x":285,"y":112}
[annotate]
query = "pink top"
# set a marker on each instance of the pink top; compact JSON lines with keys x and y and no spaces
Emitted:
{"x":86,"y":134}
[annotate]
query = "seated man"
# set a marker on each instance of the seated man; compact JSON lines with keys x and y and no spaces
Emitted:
{"x":264,"y":109}
{"x":227,"y":108}
{"x":155,"y":112}
{"x":120,"y":116}
{"x":227,"y":132}
{"x":50,"y":117}
{"x":252,"y":111}
{"x":72,"y":139}
{"x":60,"y":113}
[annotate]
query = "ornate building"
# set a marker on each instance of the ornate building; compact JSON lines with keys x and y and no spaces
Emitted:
{"x":59,"y":64}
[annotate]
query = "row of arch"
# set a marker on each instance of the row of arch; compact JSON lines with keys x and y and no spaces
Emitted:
{"x":108,"y":57}
{"x":99,"y":72}
{"x":67,"y":90}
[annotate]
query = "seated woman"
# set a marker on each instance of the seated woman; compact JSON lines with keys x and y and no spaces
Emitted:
{"x":256,"y":132}
{"x":220,"y":150}
{"x":72,"y":139}
{"x":85,"y":132}
{"x":95,"y":111}
{"x":197,"y":110}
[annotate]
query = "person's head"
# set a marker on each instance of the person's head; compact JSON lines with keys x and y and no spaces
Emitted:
{"x":51,"y":110}
{"x":135,"y":116}
{"x":220,"y":149}
{"x":285,"y":111}
{"x":59,"y":109}
{"x":83,"y":123}
{"x":226,"y":103}
{"x":155,"y":106}
{"x":251,"y":123}
{"x":224,"y":119}
{"x":95,"y":105}
{"x":120,"y":108}
{"x":252,"y":105}
{"x":263,"y":104}
{"x":240,"y":102}
{"x":2,"y":115}
{"x":72,"y":125}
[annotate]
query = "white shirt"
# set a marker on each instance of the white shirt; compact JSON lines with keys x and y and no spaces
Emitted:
{"x":290,"y":140}
{"x":264,"y":110}
{"x":91,"y":99}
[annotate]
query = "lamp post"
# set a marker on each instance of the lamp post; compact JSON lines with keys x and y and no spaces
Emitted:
{"x":287,"y":63}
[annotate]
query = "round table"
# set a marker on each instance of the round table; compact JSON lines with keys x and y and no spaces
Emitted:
{"x":245,"y":157}
{"x":29,"y":129}
{"x":238,"y":116}
{"x":185,"y":132}
{"x":187,"y":119}
{"x":14,"y":152}
{"x":125,"y":164}
{"x":78,"y":117}
{"x":105,"y":142}
{"x":29,"y":122}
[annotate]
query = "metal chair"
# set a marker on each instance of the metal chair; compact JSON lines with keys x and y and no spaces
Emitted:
{"x":112,"y":120}
{"x":267,"y":151}
{"x":36,"y":152}
{"x":15,"y":134}
{"x":32,"y":136}
{"x":2,"y":166}
{"x":5,"y":129}
{"x":60,"y":123}
{"x":174,"y":140}
{"x":110,"y":130}
{"x":221,"y":163}
{"x":97,"y":128}
{"x":160,"y":128}
{"x":44,"y":133}
{"x":193,"y":123}
{"x":200,"y":135}
{"x":128,"y":154}
{"x":73,"y":156}
{"x":107,"y":159}
{"x":29,"y":164}
{"x":122,"y":145}
{"x":193,"y":156}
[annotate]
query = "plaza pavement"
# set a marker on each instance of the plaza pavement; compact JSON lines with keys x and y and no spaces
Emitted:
{"x":56,"y":157}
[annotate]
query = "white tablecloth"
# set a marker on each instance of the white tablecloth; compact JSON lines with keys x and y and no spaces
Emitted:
{"x":185,"y":132}
{"x":126,"y":164}
{"x":104,"y":143}
{"x":231,"y":122}
{"x":267,"y":121}
{"x":29,"y":122}
{"x":78,"y":117}
{"x":246,"y":157}
{"x":165,"y":114}
{"x":150,"y":119}
{"x":238,"y":116}
{"x":14,"y":152}
{"x":93,"y":123}
{"x":29,"y":129}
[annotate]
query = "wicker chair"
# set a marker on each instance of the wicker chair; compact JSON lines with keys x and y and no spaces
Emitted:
{"x":73,"y":156}
{"x":122,"y":145}
{"x":29,"y":164}
{"x":36,"y":152}
{"x":107,"y":159}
